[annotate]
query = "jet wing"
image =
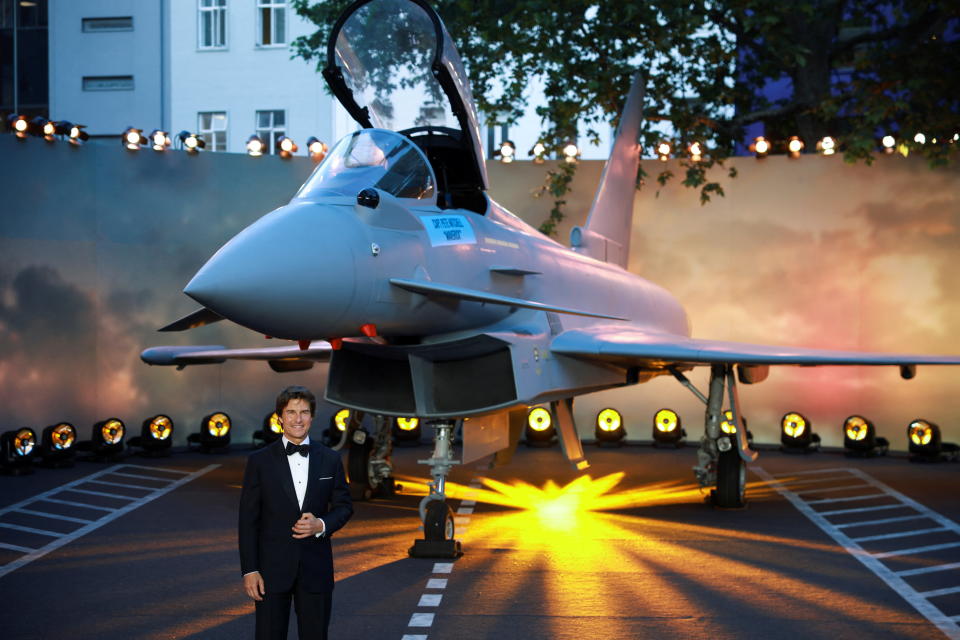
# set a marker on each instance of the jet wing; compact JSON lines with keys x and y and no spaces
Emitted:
{"x":199,"y":318}
{"x":626,"y":345}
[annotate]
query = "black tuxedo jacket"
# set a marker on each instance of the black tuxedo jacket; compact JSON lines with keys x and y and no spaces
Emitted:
{"x":269,"y":509}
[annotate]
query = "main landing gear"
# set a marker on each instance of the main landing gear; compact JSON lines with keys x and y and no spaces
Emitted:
{"x":437,"y":516}
{"x":368,"y":459}
{"x":722,"y":457}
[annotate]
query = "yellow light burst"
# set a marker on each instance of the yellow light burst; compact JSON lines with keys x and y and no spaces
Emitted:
{"x":340,"y":419}
{"x":407,"y":424}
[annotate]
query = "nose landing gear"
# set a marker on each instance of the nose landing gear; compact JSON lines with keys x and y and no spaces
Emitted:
{"x":437,"y":516}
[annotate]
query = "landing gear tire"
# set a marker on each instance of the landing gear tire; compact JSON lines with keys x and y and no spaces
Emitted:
{"x":438,"y":525}
{"x":358,"y":466}
{"x":731,"y":481}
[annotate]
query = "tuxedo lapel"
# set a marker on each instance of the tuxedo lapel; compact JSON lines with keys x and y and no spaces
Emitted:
{"x":282,"y":468}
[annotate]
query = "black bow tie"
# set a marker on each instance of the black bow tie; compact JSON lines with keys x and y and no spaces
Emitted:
{"x":302,"y":449}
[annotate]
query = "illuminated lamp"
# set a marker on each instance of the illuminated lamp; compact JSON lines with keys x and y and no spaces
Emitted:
{"x":695,"y":150}
{"x":316,"y":149}
{"x":271,"y":430}
{"x":214,"y":432}
{"x":796,"y":434}
{"x":58,"y":445}
{"x":133,"y":138}
{"x":539,"y":430}
{"x":794,"y":147}
{"x":286,"y":147}
{"x":255,"y":146}
{"x":338,"y":427}
{"x":19,"y":125}
{"x":609,"y":429}
{"x":860,"y":438}
{"x":538,"y":151}
{"x":729,"y":428}
{"x":17,"y":450}
{"x":925,"y":444}
{"x":506,"y":151}
{"x":667,"y":428}
{"x":159,"y":140}
{"x":75,"y":133}
{"x":920,"y":138}
{"x":48,"y":129}
{"x":827,"y":146}
{"x":156,"y":436}
{"x":407,"y":431}
{"x":760,"y":147}
{"x":888,"y":143}
{"x":663,"y":151}
{"x":190,"y":142}
{"x":106,"y":440}
{"x":571,"y":152}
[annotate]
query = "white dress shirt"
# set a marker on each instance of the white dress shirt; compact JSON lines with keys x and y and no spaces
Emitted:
{"x":299,"y":469}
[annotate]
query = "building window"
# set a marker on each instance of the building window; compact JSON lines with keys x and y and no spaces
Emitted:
{"x":272,"y":22}
{"x":270,"y":126}
{"x":212,"y":19}
{"x":213,"y":129}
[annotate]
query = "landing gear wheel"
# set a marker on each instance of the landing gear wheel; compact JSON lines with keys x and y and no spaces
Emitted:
{"x":438,"y":524}
{"x":358,"y":466}
{"x":731,"y":481}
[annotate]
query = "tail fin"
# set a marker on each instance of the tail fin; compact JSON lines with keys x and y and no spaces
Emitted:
{"x":606,"y":236}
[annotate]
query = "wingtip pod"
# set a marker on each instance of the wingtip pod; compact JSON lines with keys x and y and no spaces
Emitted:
{"x":606,"y":236}
{"x":170,"y":356}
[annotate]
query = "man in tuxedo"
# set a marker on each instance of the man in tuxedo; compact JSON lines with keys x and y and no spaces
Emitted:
{"x":294,"y":498}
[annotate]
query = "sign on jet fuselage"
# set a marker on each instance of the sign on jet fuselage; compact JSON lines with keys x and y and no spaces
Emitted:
{"x":448,"y":229}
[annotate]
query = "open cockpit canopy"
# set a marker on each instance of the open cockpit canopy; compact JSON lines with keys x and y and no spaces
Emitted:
{"x":392,"y":65}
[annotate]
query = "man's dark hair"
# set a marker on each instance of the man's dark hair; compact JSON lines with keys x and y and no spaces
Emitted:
{"x":296,"y":393}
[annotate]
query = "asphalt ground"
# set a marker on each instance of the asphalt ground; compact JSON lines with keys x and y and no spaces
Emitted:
{"x":627,"y":549}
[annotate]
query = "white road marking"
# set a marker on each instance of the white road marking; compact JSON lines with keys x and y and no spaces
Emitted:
{"x":870,"y":496}
{"x":101,"y":493}
{"x":414,"y":636}
{"x":54,"y":516}
{"x":113,"y":513}
{"x":468,"y":503}
{"x":421,"y":620}
{"x":17,"y":527}
{"x":442,"y":567}
{"x":837,"y":512}
{"x":465,"y":511}
{"x":940,"y":592}
{"x":866,"y":523}
{"x":430,"y":600}
{"x":900,"y":534}
{"x":15,"y":547}
{"x":437,"y":583}
{"x":126,"y":485}
{"x":946,"y":623}
{"x":937,"y":567}
{"x":830,"y":489}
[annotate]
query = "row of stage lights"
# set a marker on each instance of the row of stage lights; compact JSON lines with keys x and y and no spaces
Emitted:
{"x":134,"y":139}
{"x":760,"y":147}
{"x":796,"y":434}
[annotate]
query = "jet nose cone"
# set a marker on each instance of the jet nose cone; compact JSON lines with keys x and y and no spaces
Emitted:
{"x":289,"y":275}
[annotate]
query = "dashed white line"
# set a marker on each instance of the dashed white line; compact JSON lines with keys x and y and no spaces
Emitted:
{"x":430,"y":600}
{"x":442,"y":567}
{"x":421,"y":620}
{"x":437,"y":583}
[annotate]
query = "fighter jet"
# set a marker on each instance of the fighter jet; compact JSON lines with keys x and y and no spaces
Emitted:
{"x":431,"y":300}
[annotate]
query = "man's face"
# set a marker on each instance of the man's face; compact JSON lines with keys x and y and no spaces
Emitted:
{"x":296,"y":419}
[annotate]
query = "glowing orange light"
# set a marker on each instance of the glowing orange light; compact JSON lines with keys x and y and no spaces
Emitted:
{"x":794,"y":425}
{"x":275,"y":425}
{"x":112,"y":431}
{"x":218,"y":425}
{"x":856,"y":428}
{"x":921,"y":433}
{"x":407,"y":424}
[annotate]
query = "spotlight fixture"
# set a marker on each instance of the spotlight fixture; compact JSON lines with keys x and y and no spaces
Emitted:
{"x":338,"y":426}
{"x":156,"y":436}
{"x":663,"y":151}
{"x":760,"y":147}
{"x":506,"y":151}
{"x":827,"y":146}
{"x":920,"y":138}
{"x":794,"y":147}
{"x":159,"y":140}
{"x":609,"y":429}
{"x":728,"y":427}
{"x":133,"y":139}
{"x":58,"y":445}
{"x":271,"y":430}
{"x":106,"y":440}
{"x":18,"y":124}
{"x":214,"y":433}
{"x":538,"y":151}
{"x":48,"y":129}
{"x":539,"y":430}
{"x":925,"y":444}
{"x":286,"y":147}
{"x":316,"y":149}
{"x":255,"y":146}
{"x":407,"y":431}
{"x":860,"y":438}
{"x":695,"y":150}
{"x":17,"y":450}
{"x":889,"y":143}
{"x":796,"y":434}
{"x":667,"y":428}
{"x":190,"y":142}
{"x":75,"y":133}
{"x":571,"y":152}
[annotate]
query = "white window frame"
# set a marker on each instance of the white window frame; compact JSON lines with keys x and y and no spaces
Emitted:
{"x":273,"y":8}
{"x":270,"y":134}
{"x":216,"y":11}
{"x":211,"y":134}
